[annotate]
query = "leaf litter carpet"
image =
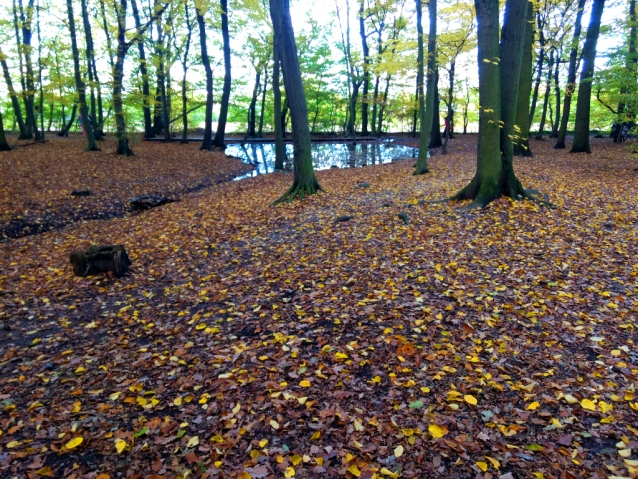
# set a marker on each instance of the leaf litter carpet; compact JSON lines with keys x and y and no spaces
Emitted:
{"x":258,"y":342}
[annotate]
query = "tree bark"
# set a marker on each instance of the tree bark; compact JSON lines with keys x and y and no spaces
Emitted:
{"x":29,"y":94}
{"x":366,"y":71}
{"x":426,"y":102}
{"x":79,"y":83}
{"x":15,"y":102}
{"x":499,"y":69}
{"x":252,"y":109}
{"x":382,"y":106}
{"x":92,"y":71}
{"x":207,"y":144}
{"x":521,"y":128}
{"x":548,"y":90}
{"x":4,"y":145}
{"x":305,"y":182}
{"x":435,"y":135}
{"x":556,"y":123}
{"x":263,"y":103}
{"x":539,"y":74}
{"x":223,"y":112}
{"x":146,"y":90}
{"x":276,"y":90}
{"x":581,"y":128}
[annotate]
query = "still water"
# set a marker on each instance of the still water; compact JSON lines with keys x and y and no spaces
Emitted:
{"x":324,"y":155}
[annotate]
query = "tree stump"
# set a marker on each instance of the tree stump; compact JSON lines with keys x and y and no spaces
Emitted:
{"x":100,"y":259}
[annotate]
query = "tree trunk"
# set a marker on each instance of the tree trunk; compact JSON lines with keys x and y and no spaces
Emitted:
{"x":79,"y":83}
{"x":223,"y":112}
{"x":263,"y":104}
{"x":556,"y":123}
{"x":15,"y":102}
{"x":539,"y":74}
{"x":494,"y":171}
{"x":276,"y":91}
{"x":146,"y":90}
{"x":252,"y":109}
{"x":207,"y":144}
{"x":426,"y":102}
{"x":366,"y":71}
{"x":521,"y":128}
{"x":92,"y":71}
{"x":416,"y":113}
{"x":382,"y":107}
{"x":29,"y":94}
{"x":548,"y":90}
{"x":435,"y":135}
{"x":626,"y":109}
{"x":581,"y":129}
{"x":4,"y":145}
{"x":450,"y":99}
{"x":305,"y":182}
{"x":375,"y":105}
{"x":66,"y":127}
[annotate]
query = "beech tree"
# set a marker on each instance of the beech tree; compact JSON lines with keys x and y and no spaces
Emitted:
{"x":583,"y":104}
{"x":223,"y":111}
{"x":305,"y":183}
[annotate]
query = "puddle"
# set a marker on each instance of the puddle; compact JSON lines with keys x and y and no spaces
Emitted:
{"x":324,"y":155}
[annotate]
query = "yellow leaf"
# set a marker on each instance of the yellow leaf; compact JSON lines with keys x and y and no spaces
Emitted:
{"x":194,"y":441}
{"x":77,"y":406}
{"x":13,"y":444}
{"x":274,"y":424}
{"x":354,"y":470}
{"x":219,"y":438}
{"x":201,"y":326}
{"x":495,"y":463}
{"x":289,"y":472}
{"x":305,"y":383}
{"x":624,"y":452}
{"x":120,"y":445}
{"x":34,"y":405}
{"x":316,"y":435}
{"x":587,"y":404}
{"x":263,"y":442}
{"x":296,"y":459}
{"x":482,"y":466}
{"x":75,"y":442}
{"x":177,"y":401}
{"x":470,"y":399}
{"x":45,"y":471}
{"x":237,"y":408}
{"x":604,"y":407}
{"x":342,"y":356}
{"x":115,"y":396}
{"x":398,"y":451}
{"x":570,"y":399}
{"x":386,"y":472}
{"x":533,"y":406}
{"x":437,"y":431}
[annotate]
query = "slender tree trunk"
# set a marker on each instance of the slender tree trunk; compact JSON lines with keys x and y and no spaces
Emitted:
{"x":184,"y":61}
{"x":223,"y":112}
{"x":494,"y":171}
{"x":556,"y":123}
{"x":426,"y":102}
{"x":4,"y":145}
{"x":79,"y":83}
{"x":305,"y":182}
{"x":66,"y":127}
{"x":30,"y":76}
{"x":382,"y":106}
{"x":252,"y":110}
{"x":92,"y":71}
{"x":450,"y":98}
{"x":581,"y":129}
{"x":366,"y":71}
{"x":279,"y":137}
{"x":207,"y":144}
{"x":539,"y":74}
{"x":417,"y":102}
{"x":522,"y":124}
{"x":375,"y":105}
{"x":15,"y":102}
{"x":435,"y":136}
{"x":146,"y":90}
{"x":548,"y":91}
{"x":263,"y":103}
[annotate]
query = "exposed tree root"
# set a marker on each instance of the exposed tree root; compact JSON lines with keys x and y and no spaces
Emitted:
{"x":300,"y":190}
{"x":481,"y":200}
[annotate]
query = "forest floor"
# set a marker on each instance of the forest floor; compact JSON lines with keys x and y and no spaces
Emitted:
{"x":252,"y":341}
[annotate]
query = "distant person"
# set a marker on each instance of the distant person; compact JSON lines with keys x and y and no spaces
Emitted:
{"x":448,"y":129}
{"x":81,"y":123}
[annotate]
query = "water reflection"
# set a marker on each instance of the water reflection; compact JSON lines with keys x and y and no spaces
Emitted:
{"x":324,"y":155}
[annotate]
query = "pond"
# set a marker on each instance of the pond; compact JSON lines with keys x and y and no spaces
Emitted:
{"x":324,"y":155}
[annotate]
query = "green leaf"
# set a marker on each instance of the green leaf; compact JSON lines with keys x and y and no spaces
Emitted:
{"x":535,"y":447}
{"x":141,"y":432}
{"x":416,"y":404}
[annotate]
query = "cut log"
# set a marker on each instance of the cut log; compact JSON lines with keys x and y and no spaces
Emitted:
{"x":84,"y":192}
{"x":100,"y":259}
{"x":146,"y":202}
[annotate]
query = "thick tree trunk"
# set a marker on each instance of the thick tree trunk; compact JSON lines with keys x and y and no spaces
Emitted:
{"x":207,"y":144}
{"x":223,"y":111}
{"x":494,"y":171}
{"x":426,"y":102}
{"x":15,"y":102}
{"x":79,"y":83}
{"x":581,"y":129}
{"x":521,"y":127}
{"x":146,"y":90}
{"x":305,"y":182}
{"x":366,"y":71}
{"x":92,"y":71}
{"x":29,"y":94}
{"x":626,"y":106}
{"x":556,"y":123}
{"x":548,"y":90}
{"x":276,"y":91}
{"x":118,"y":104}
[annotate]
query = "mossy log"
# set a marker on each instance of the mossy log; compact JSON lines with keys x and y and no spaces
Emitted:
{"x":100,"y":259}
